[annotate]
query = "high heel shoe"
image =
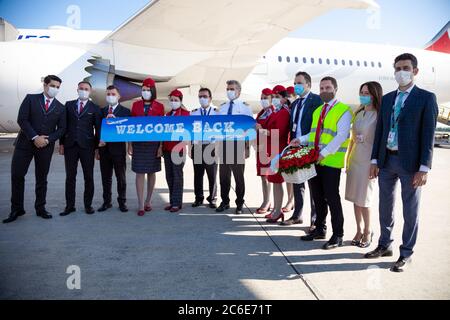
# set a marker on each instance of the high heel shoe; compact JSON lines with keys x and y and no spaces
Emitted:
{"x":274,"y":220}
{"x":148,"y":208}
{"x":286,"y":210}
{"x":141,"y":213}
{"x":167,"y":208}
{"x":267,"y":216}
{"x":262,"y":210}
{"x":356,"y":241}
{"x":366,"y":244}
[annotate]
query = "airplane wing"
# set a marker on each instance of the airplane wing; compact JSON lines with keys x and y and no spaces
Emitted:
{"x":222,"y":39}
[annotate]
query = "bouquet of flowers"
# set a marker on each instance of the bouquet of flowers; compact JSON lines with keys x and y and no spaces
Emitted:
{"x":296,"y":165}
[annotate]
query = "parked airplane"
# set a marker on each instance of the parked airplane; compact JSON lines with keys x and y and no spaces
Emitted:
{"x":190,"y":44}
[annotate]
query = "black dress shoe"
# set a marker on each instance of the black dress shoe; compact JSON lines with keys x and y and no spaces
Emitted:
{"x":13,"y":216}
{"x":123,"y":208}
{"x":89,"y":210}
{"x":379,"y":252}
{"x":212,"y":205}
{"x":44,"y":214}
{"x":334,"y":242}
{"x":197,"y":203}
{"x":400,"y":265}
{"x":67,"y":211}
{"x":291,"y":221}
{"x":104,"y":207}
{"x":238,"y":210}
{"x":223,"y":207}
{"x":316,"y":235}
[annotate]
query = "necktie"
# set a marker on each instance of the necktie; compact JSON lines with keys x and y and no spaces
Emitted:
{"x":203,"y":112}
{"x":47,"y":104}
{"x":298,"y":108}
{"x":81,"y":108}
{"x":230,"y":109}
{"x":110,"y":110}
{"x":320,"y":125}
{"x":394,"y":120}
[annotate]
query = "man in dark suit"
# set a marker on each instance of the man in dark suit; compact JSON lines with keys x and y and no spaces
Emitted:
{"x":78,"y":144}
{"x":403,"y":149}
{"x":302,"y":110}
{"x":112,"y":155}
{"x":42,"y":121}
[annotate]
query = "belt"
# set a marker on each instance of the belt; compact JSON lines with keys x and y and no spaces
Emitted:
{"x":392,"y":152}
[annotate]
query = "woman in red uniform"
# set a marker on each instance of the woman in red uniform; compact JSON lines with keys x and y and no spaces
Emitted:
{"x":278,"y":127}
{"x":262,"y":161}
{"x":175,"y":156}
{"x":146,"y":156}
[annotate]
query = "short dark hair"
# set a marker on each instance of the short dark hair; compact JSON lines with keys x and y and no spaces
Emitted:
{"x":207,"y":90}
{"x":85,"y":82}
{"x":305,"y":75}
{"x":112,"y":87}
{"x":333,"y":81}
{"x":407,"y":56}
{"x":52,"y":77}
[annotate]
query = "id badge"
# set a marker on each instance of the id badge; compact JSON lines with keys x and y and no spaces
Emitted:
{"x":294,"y":127}
{"x":360,"y":138}
{"x":391,"y":137}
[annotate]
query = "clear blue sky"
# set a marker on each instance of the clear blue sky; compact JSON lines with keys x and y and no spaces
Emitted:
{"x":401,"y":22}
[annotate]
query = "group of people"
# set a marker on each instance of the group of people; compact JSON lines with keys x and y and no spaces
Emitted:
{"x":389,"y":137}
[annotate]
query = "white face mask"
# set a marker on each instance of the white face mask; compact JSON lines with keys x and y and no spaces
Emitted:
{"x":403,"y":78}
{"x":231,"y":94}
{"x":147,"y":95}
{"x":112,"y":100}
{"x":276,"y":103}
{"x":175,"y":105}
{"x":204,"y":102}
{"x":265,"y":103}
{"x":83,"y":94}
{"x":52,"y":92}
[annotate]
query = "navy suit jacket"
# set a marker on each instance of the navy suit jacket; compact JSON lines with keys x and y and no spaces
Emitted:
{"x":311,"y":104}
{"x":115,"y":148}
{"x":35,"y":121}
{"x":416,"y":126}
{"x":80,"y":128}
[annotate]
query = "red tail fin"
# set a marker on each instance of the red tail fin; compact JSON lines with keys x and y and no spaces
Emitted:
{"x":441,"y":42}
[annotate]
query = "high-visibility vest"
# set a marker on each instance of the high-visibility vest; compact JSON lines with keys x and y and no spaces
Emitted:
{"x":329,"y":131}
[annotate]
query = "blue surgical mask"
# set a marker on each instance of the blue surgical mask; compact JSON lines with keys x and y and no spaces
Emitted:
{"x":299,"y":89}
{"x":364,"y":100}
{"x":276,"y":103}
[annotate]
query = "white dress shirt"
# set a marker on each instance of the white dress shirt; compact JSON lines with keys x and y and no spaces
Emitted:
{"x":343,"y":132}
{"x":239,"y":107}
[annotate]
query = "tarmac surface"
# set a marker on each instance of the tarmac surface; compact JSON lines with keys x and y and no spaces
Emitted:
{"x":201,"y":254}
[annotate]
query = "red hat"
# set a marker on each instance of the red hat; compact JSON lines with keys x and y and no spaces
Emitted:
{"x":176,"y":93}
{"x":290,"y":90}
{"x":149,"y":82}
{"x":277,"y":89}
{"x":267,"y":92}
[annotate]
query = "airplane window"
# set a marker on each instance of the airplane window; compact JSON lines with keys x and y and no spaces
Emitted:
{"x":373,"y":64}
{"x":312,"y":60}
{"x":343,"y":62}
{"x":335,"y":61}
{"x":320,"y":60}
{"x":264,"y":57}
{"x":280,"y":59}
{"x":365,"y":63}
{"x":350,"y":62}
{"x":328,"y":61}
{"x":379,"y":64}
{"x":304,"y":60}
{"x":288,"y":59}
{"x":296,"y":59}
{"x":357,"y":63}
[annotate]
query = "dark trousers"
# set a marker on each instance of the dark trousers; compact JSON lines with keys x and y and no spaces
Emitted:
{"x":299,"y":196}
{"x":174,"y":178}
{"x":225,"y":171}
{"x":118,"y":163}
{"x":387,"y":180}
{"x":325,"y":190}
{"x":19,"y":167}
{"x":200,"y":166}
{"x":86,"y":156}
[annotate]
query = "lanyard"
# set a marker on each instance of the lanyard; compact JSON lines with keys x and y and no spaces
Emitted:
{"x":394,"y":120}
{"x":329,"y":108}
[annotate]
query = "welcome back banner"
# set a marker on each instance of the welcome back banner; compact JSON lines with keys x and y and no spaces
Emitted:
{"x":179,"y":128}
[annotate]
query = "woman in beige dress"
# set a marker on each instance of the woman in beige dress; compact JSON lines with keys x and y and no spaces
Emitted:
{"x":359,"y":187}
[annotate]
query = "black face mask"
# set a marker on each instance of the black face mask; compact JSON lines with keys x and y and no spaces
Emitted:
{"x":326,"y":96}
